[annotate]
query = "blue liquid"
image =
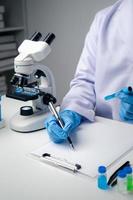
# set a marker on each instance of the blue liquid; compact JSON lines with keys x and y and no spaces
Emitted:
{"x":102,"y":182}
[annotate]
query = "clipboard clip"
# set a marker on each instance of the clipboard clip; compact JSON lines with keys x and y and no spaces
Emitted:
{"x":59,"y":162}
{"x":113,"y":179}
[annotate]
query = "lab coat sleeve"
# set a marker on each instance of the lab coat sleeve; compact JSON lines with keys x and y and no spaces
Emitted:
{"x":81,"y":97}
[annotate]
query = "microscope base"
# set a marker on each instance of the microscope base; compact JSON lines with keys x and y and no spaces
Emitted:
{"x":27,"y":124}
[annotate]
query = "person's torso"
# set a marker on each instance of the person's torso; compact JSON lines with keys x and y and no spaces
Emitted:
{"x":114,"y":63}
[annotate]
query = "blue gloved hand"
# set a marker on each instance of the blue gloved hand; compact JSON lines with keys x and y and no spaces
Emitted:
{"x":71,"y":120}
{"x":126,"y":105}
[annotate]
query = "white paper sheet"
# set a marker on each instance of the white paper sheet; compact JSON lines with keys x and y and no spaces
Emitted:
{"x":95,"y":144}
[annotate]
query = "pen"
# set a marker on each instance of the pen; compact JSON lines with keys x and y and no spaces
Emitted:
{"x":60,"y":163}
{"x":127,"y":90}
{"x":55,"y":113}
{"x":112,"y":180}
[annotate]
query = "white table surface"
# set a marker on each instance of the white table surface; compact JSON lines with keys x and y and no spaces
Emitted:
{"x":23,"y":178}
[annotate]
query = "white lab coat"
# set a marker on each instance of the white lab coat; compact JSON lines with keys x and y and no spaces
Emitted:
{"x":105,"y":65}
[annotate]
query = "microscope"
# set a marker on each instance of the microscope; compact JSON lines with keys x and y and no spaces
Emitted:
{"x":34,"y":82}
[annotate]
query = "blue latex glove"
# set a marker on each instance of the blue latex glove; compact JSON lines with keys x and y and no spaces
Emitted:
{"x":126,"y":105}
{"x":71,"y":120}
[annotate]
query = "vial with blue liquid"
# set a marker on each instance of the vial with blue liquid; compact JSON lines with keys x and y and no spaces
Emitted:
{"x":102,"y":178}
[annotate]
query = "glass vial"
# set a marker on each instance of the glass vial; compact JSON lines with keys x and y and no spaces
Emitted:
{"x":129,"y":179}
{"x":121,"y":181}
{"x":102,"y":178}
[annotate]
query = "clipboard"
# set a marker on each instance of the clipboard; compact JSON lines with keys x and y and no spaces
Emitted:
{"x":99,"y":143}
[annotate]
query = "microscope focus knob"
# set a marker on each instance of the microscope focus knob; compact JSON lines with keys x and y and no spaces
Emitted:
{"x":48,"y":98}
{"x":26,"y":111}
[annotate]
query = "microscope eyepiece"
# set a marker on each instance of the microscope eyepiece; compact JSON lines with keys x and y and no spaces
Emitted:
{"x":49,"y":38}
{"x":36,"y":36}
